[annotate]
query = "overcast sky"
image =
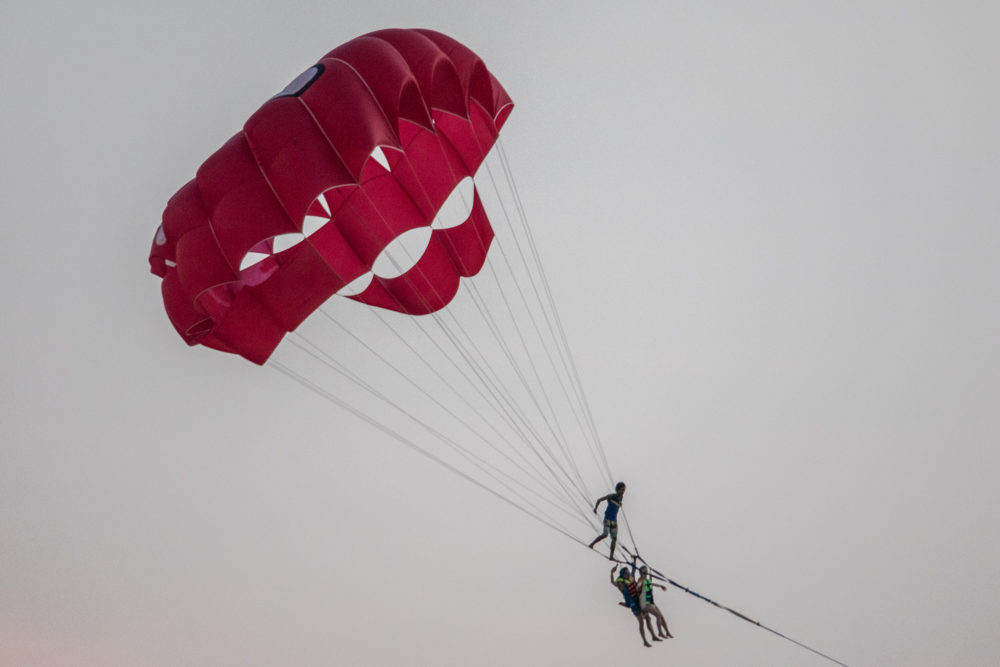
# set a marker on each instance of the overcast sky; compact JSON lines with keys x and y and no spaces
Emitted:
{"x":771,"y":230}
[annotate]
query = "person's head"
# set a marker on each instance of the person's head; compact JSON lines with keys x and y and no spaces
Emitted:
{"x":644,"y":570}
{"x":620,"y":487}
{"x":624,"y":573}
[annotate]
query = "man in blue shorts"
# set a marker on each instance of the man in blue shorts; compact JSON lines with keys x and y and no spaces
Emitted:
{"x":610,"y":517}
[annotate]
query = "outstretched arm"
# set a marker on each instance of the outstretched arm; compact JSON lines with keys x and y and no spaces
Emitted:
{"x":613,"y":582}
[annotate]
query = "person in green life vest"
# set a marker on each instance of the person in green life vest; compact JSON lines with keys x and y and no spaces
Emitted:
{"x":614,"y":501}
{"x":646,"y":604}
{"x":630,"y":591}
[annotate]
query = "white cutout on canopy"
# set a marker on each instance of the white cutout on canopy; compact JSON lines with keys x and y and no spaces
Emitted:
{"x":457,"y":207}
{"x":380,"y":157}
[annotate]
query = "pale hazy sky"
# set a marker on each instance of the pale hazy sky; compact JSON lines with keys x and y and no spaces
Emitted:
{"x":771,"y":229}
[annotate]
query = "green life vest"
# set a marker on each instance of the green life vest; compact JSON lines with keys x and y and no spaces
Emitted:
{"x":647,"y":588}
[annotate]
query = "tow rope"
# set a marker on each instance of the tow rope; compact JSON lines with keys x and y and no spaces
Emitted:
{"x":658,"y":575}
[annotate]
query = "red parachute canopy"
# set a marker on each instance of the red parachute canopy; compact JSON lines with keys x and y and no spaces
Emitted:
{"x":299,"y":205}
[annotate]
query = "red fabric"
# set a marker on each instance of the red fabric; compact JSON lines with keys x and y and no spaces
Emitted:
{"x":433,"y":281}
{"x":435,"y":110}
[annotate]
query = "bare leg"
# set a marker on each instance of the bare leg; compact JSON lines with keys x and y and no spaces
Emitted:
{"x":614,"y":541}
{"x":662,"y":625}
{"x":649,"y":624}
{"x":642,"y":631}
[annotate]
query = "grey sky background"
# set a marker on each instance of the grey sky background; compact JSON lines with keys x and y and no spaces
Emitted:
{"x":771,"y":229}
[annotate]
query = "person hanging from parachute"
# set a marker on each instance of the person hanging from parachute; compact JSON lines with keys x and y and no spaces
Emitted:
{"x":646,"y":603}
{"x":625,"y":582}
{"x":614,"y":501}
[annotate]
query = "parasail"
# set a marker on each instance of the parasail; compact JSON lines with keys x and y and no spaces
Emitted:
{"x":342,"y":237}
{"x":344,"y":218}
{"x":358,"y":152}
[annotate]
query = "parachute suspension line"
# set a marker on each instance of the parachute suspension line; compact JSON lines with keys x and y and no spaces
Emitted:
{"x":501,"y":400}
{"x":506,"y":406}
{"x":531,"y":315}
{"x":633,"y":553}
{"x":516,"y":411}
{"x":551,"y":314}
{"x":487,"y":373}
{"x":472,"y":345}
{"x":534,"y":289}
{"x":658,"y":575}
{"x":417,"y":268}
{"x":318,"y":354}
{"x":330,"y":361}
{"x":557,"y":432}
{"x":531,"y":394}
{"x":568,"y":359}
{"x":459,"y":394}
{"x":412,"y":445}
{"x":477,"y":369}
{"x":524,"y":301}
{"x":566,"y":497}
{"x":475,"y":386}
{"x":508,"y":355}
{"x":485,"y":381}
{"x":566,"y":356}
{"x":548,"y":414}
{"x":433,"y":399}
{"x":454,"y":340}
{"x":561,"y":438}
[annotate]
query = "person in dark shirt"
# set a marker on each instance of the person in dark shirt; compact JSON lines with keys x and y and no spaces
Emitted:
{"x":614,"y":501}
{"x":630,"y":591}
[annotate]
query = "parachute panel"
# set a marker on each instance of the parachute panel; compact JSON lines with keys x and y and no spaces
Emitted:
{"x":304,"y":199}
